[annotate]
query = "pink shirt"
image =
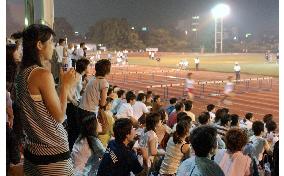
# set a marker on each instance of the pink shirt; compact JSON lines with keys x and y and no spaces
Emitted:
{"x":236,"y":164}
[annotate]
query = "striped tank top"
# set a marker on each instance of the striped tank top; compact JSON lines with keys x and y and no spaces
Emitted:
{"x":44,"y":135}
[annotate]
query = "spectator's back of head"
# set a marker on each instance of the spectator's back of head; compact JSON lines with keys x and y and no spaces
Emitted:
{"x":102,"y":67}
{"x":234,"y":120}
{"x":271,"y":126}
{"x":152,"y":120}
{"x":182,"y":130}
{"x":257,"y":127}
{"x":173,"y":101}
{"x":204,"y":118}
{"x":225,"y":120}
{"x":249,"y":116}
{"x":187,"y":105}
{"x":180,"y":115}
{"x":82,"y":45}
{"x":141,"y":97}
{"x":82,"y":65}
{"x":210,"y":107}
{"x":267,"y":117}
{"x":130,"y":96}
{"x":179,"y":106}
{"x":203,"y":140}
{"x":120,"y":93}
{"x":235,"y":139}
{"x":163,"y":114}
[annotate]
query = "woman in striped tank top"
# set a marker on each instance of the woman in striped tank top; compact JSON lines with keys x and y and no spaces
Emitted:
{"x":46,"y":148}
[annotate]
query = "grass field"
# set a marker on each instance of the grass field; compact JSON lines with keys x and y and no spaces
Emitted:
{"x":250,"y":63}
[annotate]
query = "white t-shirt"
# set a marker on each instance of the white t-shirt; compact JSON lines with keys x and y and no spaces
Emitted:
{"x":92,"y":95}
{"x":59,"y":49}
{"x":196,"y":60}
{"x":247,"y":124}
{"x":80,"y":53}
{"x":212,"y":116}
{"x":139,"y":108}
{"x":237,"y":68}
{"x":189,"y":83}
{"x":125,"y":111}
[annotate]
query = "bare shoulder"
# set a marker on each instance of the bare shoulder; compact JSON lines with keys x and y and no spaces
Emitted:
{"x":40,"y":75}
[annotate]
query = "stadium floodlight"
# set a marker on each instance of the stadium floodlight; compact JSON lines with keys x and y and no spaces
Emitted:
{"x":219,"y":12}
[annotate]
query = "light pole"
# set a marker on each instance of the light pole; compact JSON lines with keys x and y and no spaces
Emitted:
{"x":219,"y":12}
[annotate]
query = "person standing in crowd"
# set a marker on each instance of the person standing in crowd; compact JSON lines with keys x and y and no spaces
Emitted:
{"x":189,"y":86}
{"x":46,"y":148}
{"x":211,"y":110}
{"x":228,"y":91}
{"x":96,"y":91}
{"x":70,"y":56}
{"x":204,"y":143}
{"x":237,"y":69}
{"x":196,"y":61}
{"x":187,"y":109}
{"x":149,"y":100}
{"x":73,"y":99}
{"x":88,"y":149}
{"x":232,"y":160}
{"x":120,"y":159}
{"x":176,"y":149}
{"x":80,"y":51}
{"x":61,"y":51}
{"x":104,"y":138}
{"x":13,"y":59}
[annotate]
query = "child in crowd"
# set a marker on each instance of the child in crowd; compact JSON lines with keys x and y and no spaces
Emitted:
{"x":176,"y":149}
{"x":211,"y":110}
{"x":104,"y":138}
{"x":88,"y":149}
{"x":149,"y":138}
{"x":232,"y":161}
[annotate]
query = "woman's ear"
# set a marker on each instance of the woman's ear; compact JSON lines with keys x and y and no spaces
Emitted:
{"x":39,"y":45}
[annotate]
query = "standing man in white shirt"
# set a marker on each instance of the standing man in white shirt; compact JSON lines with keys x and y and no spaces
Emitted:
{"x":61,"y":51}
{"x":80,"y":51}
{"x":237,"y":69}
{"x":196,"y":61}
{"x":139,"y":108}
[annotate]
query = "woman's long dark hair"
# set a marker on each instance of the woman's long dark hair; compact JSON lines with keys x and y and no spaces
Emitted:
{"x":31,"y":35}
{"x":182,"y":129}
{"x":11,"y":65}
{"x":88,"y":129}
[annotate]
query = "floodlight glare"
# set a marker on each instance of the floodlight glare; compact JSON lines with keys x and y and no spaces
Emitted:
{"x":220,"y":11}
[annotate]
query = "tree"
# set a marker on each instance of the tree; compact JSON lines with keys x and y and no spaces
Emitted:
{"x":63,"y":29}
{"x":115,"y":34}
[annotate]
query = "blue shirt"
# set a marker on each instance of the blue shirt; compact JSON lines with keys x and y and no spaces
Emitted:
{"x":119,"y":160}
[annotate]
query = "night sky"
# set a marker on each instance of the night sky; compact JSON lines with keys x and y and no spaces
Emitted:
{"x":248,"y":15}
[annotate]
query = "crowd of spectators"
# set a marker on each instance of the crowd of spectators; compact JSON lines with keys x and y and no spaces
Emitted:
{"x":84,"y":126}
